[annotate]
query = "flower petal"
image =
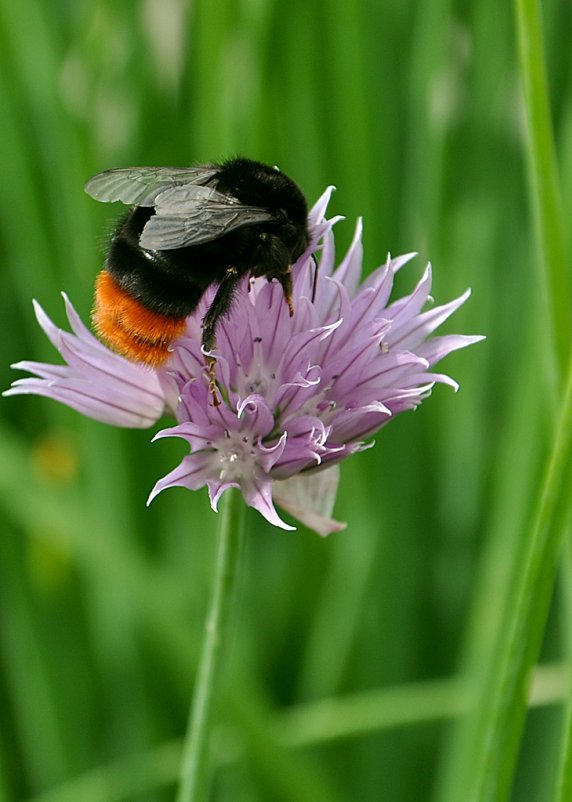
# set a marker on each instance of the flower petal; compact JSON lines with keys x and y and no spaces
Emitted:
{"x":310,"y":498}
{"x":349,"y":271}
{"x":192,"y":473}
{"x":95,"y":381}
{"x":258,"y":494}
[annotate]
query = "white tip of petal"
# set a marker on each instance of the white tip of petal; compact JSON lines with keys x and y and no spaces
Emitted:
{"x":318,"y":210}
{"x":399,"y":261}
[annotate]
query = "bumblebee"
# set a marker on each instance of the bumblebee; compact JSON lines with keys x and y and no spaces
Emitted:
{"x":191,"y":228}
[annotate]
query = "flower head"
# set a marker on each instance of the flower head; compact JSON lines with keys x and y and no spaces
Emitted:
{"x":299,"y":394}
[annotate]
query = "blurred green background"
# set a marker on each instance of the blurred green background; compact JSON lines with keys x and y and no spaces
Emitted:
{"x":414,"y":111}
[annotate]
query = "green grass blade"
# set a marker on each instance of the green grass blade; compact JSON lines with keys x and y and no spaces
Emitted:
{"x":496,"y":737}
{"x":543,"y":170}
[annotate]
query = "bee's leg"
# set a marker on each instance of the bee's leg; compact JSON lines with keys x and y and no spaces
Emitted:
{"x":218,"y":308}
{"x":285,"y":279}
{"x":315,"y":280}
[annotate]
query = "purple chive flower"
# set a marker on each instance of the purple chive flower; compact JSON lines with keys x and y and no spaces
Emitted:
{"x":299,"y":394}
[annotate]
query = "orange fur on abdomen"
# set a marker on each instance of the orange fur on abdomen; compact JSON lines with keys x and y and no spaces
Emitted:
{"x":129,"y":328}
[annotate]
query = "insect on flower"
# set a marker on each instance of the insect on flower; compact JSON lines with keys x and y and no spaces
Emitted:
{"x":298,"y":394}
{"x":189,"y":229}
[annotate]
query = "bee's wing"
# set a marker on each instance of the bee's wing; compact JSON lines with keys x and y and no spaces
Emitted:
{"x":140,"y":186}
{"x":190,"y":215}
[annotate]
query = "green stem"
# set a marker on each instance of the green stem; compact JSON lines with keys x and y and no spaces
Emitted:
{"x":543,"y":170}
{"x":564,"y":775}
{"x":550,"y":228}
{"x":485,"y":771}
{"x":503,"y":708}
{"x":195,"y":761}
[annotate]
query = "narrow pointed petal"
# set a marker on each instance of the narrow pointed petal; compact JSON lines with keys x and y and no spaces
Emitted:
{"x":417,"y":329}
{"x":349,"y":271}
{"x":258,"y":494}
{"x":189,"y":473}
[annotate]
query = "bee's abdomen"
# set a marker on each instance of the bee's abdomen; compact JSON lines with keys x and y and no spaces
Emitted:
{"x":129,"y":328}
